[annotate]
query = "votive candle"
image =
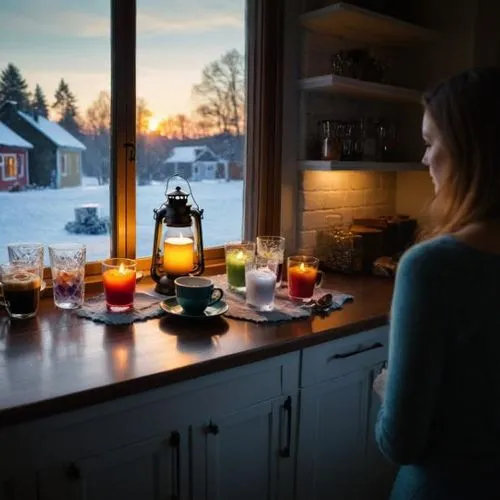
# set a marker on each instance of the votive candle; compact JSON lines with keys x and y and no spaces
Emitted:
{"x":119,"y":278}
{"x":238,"y":255}
{"x":302,"y":277}
{"x":260,"y":288}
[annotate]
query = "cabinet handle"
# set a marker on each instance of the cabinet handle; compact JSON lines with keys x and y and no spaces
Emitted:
{"x":287,"y":407}
{"x":175,"y":443}
{"x":344,"y":355}
{"x":73,"y":472}
{"x":212,"y":428}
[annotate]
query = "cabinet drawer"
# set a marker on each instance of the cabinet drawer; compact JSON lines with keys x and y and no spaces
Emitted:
{"x":342,"y":356}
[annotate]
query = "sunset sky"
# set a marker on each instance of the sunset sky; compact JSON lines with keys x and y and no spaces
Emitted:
{"x":50,"y":39}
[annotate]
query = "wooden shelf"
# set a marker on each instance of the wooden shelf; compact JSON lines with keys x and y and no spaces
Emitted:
{"x":360,"y":89}
{"x":320,"y":165}
{"x":362,"y":25}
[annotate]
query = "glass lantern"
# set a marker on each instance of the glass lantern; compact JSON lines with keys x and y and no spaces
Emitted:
{"x":178,"y":240}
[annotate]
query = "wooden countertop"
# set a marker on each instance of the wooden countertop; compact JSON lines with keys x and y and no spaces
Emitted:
{"x":58,"y":362}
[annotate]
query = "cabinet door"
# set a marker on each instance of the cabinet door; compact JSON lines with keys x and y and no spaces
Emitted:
{"x":149,"y":470}
{"x":379,"y":474}
{"x":18,"y":488}
{"x":331,"y":442}
{"x":246,"y":455}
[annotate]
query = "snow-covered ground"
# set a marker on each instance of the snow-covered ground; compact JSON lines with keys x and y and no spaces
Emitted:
{"x":41,"y":215}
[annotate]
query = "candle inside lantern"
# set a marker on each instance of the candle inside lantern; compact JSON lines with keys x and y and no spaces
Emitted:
{"x":178,"y":255}
{"x":119,"y":284}
{"x":260,"y":288}
{"x":301,"y":280}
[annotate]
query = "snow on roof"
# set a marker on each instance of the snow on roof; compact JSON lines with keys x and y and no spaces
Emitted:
{"x":53,"y":131}
{"x":9,"y":138}
{"x":187,"y":154}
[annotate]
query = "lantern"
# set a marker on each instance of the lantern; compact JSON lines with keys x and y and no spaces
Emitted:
{"x":178,"y":240}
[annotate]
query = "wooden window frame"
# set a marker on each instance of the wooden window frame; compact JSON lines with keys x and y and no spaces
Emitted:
{"x":5,"y":164}
{"x":262,"y":170}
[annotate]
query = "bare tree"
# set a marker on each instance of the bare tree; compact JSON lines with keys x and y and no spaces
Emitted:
{"x":221,"y":93}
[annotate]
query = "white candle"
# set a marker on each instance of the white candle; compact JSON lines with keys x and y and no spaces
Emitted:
{"x":260,"y":288}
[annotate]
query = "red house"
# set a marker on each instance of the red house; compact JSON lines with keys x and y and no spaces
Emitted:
{"x":14,"y":169}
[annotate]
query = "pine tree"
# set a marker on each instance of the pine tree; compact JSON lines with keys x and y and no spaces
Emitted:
{"x":13,"y":87}
{"x":65,"y":105}
{"x":39,"y":103}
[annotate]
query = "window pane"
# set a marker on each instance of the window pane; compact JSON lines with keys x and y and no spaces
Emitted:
{"x":54,"y":122}
{"x":190,"y":111}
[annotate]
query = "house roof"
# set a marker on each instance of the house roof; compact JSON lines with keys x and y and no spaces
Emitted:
{"x":188,"y":154}
{"x":9,"y":138}
{"x":225,"y":146}
{"x":53,"y":131}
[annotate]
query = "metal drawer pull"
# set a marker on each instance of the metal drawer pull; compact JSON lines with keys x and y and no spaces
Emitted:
{"x":377,"y":345}
{"x":175,"y":443}
{"x":285,"y":452}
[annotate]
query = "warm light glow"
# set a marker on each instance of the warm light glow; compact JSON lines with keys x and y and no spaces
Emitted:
{"x":178,"y":255}
{"x":121,"y":269}
{"x":302,"y":267}
{"x":239,"y":255}
{"x":153,"y":124}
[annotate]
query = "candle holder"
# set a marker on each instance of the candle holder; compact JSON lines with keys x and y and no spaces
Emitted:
{"x":303,"y":277}
{"x":178,"y":239}
{"x":260,"y":280}
{"x":119,"y":277}
{"x":238,"y":255}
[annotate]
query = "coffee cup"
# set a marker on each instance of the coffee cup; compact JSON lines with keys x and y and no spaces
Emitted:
{"x":20,"y":290}
{"x":194,"y":294}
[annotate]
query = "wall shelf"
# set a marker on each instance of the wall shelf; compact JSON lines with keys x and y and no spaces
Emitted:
{"x":362,"y":25}
{"x":360,"y":89}
{"x":321,"y":165}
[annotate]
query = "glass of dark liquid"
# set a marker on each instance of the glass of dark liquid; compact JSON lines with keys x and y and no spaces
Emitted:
{"x":19,"y":290}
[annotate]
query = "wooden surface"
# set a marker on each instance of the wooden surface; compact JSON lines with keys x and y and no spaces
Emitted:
{"x":59,"y":362}
{"x":359,"y":89}
{"x":326,"y":165}
{"x":362,"y":25}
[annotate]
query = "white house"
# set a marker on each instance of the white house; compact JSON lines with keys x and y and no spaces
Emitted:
{"x":196,"y":163}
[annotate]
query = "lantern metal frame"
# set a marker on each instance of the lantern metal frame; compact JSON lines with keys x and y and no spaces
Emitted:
{"x":175,"y":212}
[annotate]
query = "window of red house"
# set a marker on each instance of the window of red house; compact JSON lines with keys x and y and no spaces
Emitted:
{"x":9,"y":167}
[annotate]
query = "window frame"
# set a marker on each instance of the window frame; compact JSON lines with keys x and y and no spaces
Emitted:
{"x":262,"y":43}
{"x":5,"y":165}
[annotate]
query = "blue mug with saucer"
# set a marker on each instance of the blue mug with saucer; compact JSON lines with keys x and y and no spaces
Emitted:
{"x":194,"y":294}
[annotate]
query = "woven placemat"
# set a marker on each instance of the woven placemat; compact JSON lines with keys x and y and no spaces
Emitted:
{"x":284,"y":308}
{"x":145,"y":307}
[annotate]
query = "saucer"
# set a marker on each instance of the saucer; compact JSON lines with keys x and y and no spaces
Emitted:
{"x":171,"y":306}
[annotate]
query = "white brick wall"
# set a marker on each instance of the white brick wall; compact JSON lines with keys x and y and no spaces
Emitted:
{"x":326,"y":197}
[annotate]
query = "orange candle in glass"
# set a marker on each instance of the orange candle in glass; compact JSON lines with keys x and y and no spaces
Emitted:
{"x":302,"y":277}
{"x":118,"y":277}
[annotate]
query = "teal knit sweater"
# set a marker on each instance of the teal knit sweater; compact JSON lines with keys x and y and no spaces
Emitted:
{"x":440,"y":417}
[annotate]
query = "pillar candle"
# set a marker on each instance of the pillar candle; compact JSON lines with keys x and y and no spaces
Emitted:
{"x":301,"y":280}
{"x":178,"y":255}
{"x":260,"y":288}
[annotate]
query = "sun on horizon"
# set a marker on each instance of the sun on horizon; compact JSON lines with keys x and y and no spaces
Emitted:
{"x":153,"y":124}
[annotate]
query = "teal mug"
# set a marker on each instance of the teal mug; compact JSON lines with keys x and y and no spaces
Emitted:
{"x":194,"y":294}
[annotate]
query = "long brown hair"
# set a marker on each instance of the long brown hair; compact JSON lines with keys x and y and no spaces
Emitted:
{"x":466,"y":111}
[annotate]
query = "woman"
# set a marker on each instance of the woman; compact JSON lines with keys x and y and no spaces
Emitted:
{"x":440,"y":417}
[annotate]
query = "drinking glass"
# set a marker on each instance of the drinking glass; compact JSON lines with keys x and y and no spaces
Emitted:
{"x":260,"y":279}
{"x":67,"y":262}
{"x":238,"y":255}
{"x":303,"y":277}
{"x":273,"y":248}
{"x":27,"y":254}
{"x":20,"y":290}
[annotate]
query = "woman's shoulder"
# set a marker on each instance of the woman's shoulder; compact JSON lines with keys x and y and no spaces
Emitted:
{"x":430,"y":253}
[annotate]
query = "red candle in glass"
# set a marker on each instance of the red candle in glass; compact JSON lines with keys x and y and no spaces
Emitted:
{"x":119,"y":280}
{"x":302,"y":277}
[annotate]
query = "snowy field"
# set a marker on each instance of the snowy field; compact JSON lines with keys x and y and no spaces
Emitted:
{"x":41,"y":215}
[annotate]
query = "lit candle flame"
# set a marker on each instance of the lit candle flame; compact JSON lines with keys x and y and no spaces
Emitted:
{"x":302,"y":267}
{"x":239,"y":255}
{"x":121,"y":270}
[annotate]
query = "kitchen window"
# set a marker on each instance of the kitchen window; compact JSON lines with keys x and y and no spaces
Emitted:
{"x":122,"y":127}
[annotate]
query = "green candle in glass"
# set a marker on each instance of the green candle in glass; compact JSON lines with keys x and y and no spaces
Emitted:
{"x":238,"y":254}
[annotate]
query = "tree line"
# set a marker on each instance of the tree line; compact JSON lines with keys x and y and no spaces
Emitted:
{"x":218,"y":103}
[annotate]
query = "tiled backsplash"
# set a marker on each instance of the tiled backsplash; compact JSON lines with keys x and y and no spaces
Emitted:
{"x":325,"y":197}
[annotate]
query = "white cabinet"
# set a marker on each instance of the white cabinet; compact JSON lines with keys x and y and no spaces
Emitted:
{"x":246,"y":455}
{"x":337,"y":457}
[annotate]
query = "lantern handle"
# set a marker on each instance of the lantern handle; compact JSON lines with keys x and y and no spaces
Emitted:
{"x":190,"y":191}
